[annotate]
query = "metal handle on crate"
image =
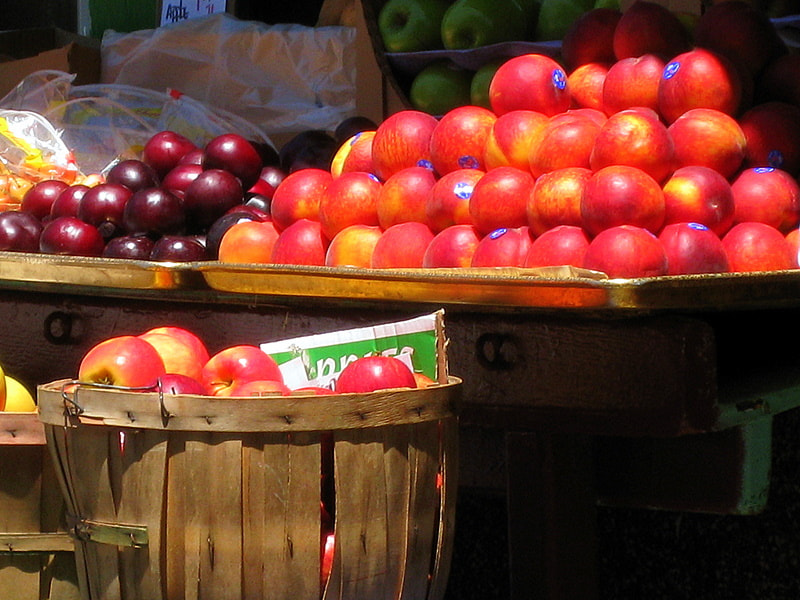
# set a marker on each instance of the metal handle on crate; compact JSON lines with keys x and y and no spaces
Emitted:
{"x":114,"y":534}
{"x":73,"y":408}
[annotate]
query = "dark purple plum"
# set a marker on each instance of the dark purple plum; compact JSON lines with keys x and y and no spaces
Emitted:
{"x":137,"y":247}
{"x":235,"y":154}
{"x":39,"y":198}
{"x":19,"y":231}
{"x":164,"y":149}
{"x":221,"y":225}
{"x":178,"y":248}
{"x":179,"y":178}
{"x":154,"y":211}
{"x":212,"y":193}
{"x":103,"y":206}
{"x":134,"y":174}
{"x":71,"y":236}
{"x":351,"y":126}
{"x":311,"y":148}
{"x":66,"y":205}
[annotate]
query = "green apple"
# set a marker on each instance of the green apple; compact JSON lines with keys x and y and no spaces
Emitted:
{"x":412,"y":25}
{"x":479,"y":86}
{"x":556,"y":16}
{"x":613,"y":4}
{"x":439,"y":87}
{"x":473,"y":23}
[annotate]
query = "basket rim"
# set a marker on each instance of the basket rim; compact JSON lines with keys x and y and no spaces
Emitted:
{"x":93,"y":406}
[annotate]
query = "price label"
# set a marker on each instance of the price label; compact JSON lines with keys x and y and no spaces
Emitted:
{"x":174,"y":11}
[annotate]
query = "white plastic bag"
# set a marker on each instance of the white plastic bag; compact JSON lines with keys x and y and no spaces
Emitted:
{"x":283,"y":78}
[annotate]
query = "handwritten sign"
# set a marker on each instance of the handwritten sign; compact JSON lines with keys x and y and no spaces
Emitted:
{"x":174,"y":11}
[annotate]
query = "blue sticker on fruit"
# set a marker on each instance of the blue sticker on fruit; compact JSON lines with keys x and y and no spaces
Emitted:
{"x":498,"y":233}
{"x":764,"y":169}
{"x":468,"y":162}
{"x":463,"y":190}
{"x":425,"y":164}
{"x":559,"y":79}
{"x":698,"y":226}
{"x":671,"y":69}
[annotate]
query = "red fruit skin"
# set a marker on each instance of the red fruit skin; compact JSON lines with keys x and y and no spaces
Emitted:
{"x":371,"y":373}
{"x":626,"y":252}
{"x":693,"y":248}
{"x":755,"y":247}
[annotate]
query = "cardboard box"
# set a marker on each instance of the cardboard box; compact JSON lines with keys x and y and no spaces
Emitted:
{"x":24,"y":51}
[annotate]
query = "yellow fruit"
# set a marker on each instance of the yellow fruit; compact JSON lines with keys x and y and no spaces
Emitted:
{"x":18,"y":398}
{"x":2,"y":389}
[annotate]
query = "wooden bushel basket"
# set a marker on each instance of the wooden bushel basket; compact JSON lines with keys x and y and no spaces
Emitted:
{"x":174,"y":497}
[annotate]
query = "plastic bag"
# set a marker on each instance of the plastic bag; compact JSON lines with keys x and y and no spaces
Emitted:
{"x":283,"y":78}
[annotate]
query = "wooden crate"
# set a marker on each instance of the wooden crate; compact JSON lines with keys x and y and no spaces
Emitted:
{"x":220,"y":498}
{"x":36,"y":553}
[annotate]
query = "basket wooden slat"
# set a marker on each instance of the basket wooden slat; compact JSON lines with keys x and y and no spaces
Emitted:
{"x":234,"y":515}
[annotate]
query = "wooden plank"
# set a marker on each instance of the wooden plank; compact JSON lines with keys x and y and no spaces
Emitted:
{"x":449,"y":462}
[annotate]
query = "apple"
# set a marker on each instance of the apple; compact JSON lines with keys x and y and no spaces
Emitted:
{"x":701,"y":195}
{"x":452,"y":247}
{"x":349,"y":199}
{"x":164,"y":149}
{"x":626,"y":251}
{"x":740,"y":31}
{"x":210,"y":195}
{"x":301,"y":243}
{"x":510,"y":138}
{"x":448,"y":201}
{"x":590,"y":38}
{"x":503,"y":247}
{"x":556,"y":199}
{"x":780,"y":79}
{"x":248,"y":242}
{"x":562,"y":245}
{"x":124,"y":360}
{"x":312,"y":148}
{"x":236,"y":365}
{"x":402,"y":140}
{"x":19,"y":231}
{"x":634,"y":137}
{"x":754,"y":247}
{"x":372,"y":373}
{"x":468,"y":24}
{"x":181,"y":350}
{"x":793,"y":239}
{"x":500,"y":199}
{"x":353,"y":246}
{"x":649,"y":28}
{"x":586,"y":83}
{"x":176,"y":383}
{"x":621,"y":195}
{"x":259,"y":387}
{"x":67,"y":202}
{"x":134,"y":174}
{"x":699,"y":78}
{"x":132,"y":247}
{"x":298,"y":196}
{"x":632,"y":81}
{"x":178,"y":248}
{"x":355,"y":154}
{"x":350,"y":126}
{"x":772,"y":131}
{"x":567,"y":140}
{"x":404,"y":196}
{"x":530,"y":82}
{"x":556,"y":17}
{"x":411,"y":25}
{"x":459,"y":139}
{"x":710,"y":138}
{"x":767,"y":195}
{"x":480,"y":82}
{"x":440,"y":86}
{"x":692,"y":248}
{"x":18,"y":397}
{"x":154,"y":211}
{"x":402,"y":246}
{"x":71,"y":236}
{"x":39,"y":198}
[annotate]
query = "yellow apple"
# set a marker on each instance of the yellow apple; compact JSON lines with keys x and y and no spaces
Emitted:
{"x":18,"y":398}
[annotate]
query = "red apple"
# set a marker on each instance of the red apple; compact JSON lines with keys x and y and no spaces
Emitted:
{"x":402,"y":246}
{"x":772,"y":131}
{"x":125,"y":361}
{"x":754,"y":247}
{"x":452,"y":247}
{"x":562,"y":245}
{"x":529,"y":82}
{"x":248,"y":242}
{"x":590,"y":38}
{"x":459,"y":139}
{"x":176,"y":383}
{"x":586,"y":83}
{"x":298,"y":196}
{"x":649,"y":28}
{"x":402,"y":140}
{"x":567,"y":140}
{"x":182,"y":351}
{"x":510,"y":138}
{"x":626,"y":251}
{"x":353,"y":246}
{"x":621,"y":195}
{"x":692,"y":248}
{"x":556,"y":199}
{"x":355,"y":154}
{"x":632,"y":81}
{"x":710,"y":138}
{"x":404,"y":196}
{"x":793,"y":238}
{"x":503,"y":247}
{"x":701,"y":195}
{"x":301,"y":243}
{"x":448,"y":200}
{"x":235,"y":365}
{"x":500,"y":199}
{"x":699,"y":78}
{"x":636,"y":138}
{"x":349,"y":199}
{"x":258,"y":387}
{"x":767,"y":195}
{"x":371,"y":373}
